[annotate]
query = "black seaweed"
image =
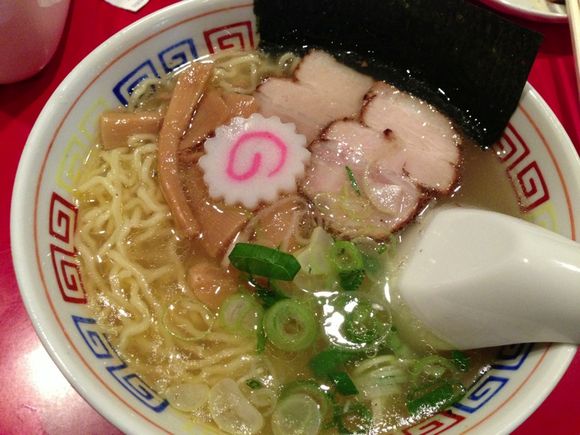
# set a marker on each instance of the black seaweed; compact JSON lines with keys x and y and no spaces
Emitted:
{"x":467,"y":61}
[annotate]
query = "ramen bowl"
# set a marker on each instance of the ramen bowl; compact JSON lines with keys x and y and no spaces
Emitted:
{"x":538,"y":158}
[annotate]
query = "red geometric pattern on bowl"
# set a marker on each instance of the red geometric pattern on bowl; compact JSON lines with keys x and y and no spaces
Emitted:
{"x":63,"y":220}
{"x":239,"y":36}
{"x":532,"y":186}
{"x":523,"y":171}
{"x":61,"y":228}
{"x":436,"y":424}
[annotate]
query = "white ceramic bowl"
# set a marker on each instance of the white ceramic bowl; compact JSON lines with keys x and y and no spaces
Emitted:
{"x":537,"y":155}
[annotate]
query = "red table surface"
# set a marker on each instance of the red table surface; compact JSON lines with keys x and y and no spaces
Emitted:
{"x":36,"y":398}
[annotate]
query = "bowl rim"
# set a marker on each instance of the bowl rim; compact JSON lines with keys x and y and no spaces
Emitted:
{"x":58,"y":347}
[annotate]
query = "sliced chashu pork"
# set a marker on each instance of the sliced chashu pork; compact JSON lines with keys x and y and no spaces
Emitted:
{"x":321,"y":91}
{"x":380,"y":199}
{"x":429,"y":143}
{"x":400,"y":152}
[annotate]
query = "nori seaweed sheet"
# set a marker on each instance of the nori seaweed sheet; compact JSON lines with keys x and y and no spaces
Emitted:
{"x":467,"y":61}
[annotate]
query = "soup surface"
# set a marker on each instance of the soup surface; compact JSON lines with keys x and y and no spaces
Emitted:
{"x":273,"y":315}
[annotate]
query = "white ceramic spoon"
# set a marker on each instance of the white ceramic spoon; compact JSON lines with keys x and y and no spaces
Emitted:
{"x":478,"y":278}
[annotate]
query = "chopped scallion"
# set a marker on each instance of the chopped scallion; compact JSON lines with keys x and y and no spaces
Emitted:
{"x":290,"y":326}
{"x":263,"y":261}
{"x":351,"y":280}
{"x":268,"y":296}
{"x":241,"y":314}
{"x":382,"y":248}
{"x":261,"y":338}
{"x":432,"y":398}
{"x":254,"y":384}
{"x":297,"y":413}
{"x":345,"y":256}
{"x":343,"y":383}
{"x":431,"y":368}
{"x":316,"y":392}
{"x":352,"y":180}
{"x":461,"y":360}
{"x":348,"y":263}
{"x":363,"y":324}
{"x":330,"y":361}
{"x":356,"y":419}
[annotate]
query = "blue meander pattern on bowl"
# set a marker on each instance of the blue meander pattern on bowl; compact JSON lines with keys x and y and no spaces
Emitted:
{"x":239,"y":35}
{"x":101,"y":349}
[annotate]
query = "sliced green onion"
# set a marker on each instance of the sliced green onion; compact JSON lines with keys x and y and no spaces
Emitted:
{"x":389,"y":246}
{"x":460,"y":360}
{"x":355,"y":419}
{"x":432,"y":398}
{"x":382,"y":248}
{"x":261,"y":338}
{"x":345,"y":256}
{"x":354,"y":322}
{"x":375,"y":263}
{"x":352,"y":180}
{"x":241,"y":314}
{"x":349,"y":264}
{"x":290,"y":326}
{"x":380,"y":376}
{"x":315,"y":391}
{"x":431,"y":368}
{"x":330,"y":361}
{"x":263,"y":261}
{"x":231,"y":410}
{"x":362,"y":324}
{"x":350,"y":281}
{"x":264,"y":399}
{"x":343,"y":383}
{"x":187,"y":396}
{"x":268,"y":296}
{"x":254,"y":384}
{"x":296,"y":414}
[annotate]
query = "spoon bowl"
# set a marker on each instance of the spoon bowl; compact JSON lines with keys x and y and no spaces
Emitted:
{"x":478,"y":278}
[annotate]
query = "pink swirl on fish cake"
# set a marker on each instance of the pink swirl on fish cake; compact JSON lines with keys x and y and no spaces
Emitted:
{"x":253,"y":160}
{"x":257,"y":159}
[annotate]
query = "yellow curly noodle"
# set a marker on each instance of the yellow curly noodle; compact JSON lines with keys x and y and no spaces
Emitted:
{"x":133,"y":269}
{"x":234,"y":71}
{"x":134,"y":264}
{"x":242,"y":72}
